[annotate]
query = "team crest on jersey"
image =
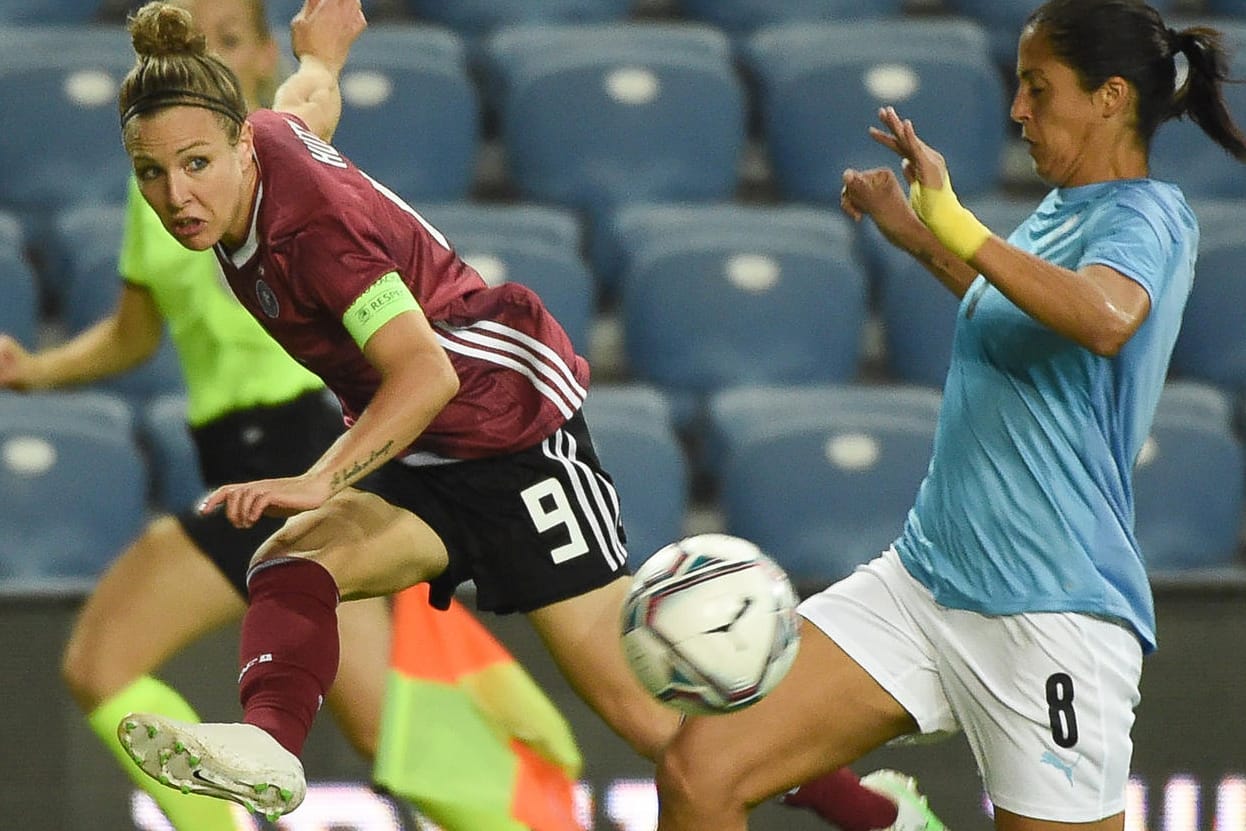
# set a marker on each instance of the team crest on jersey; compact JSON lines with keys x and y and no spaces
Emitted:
{"x":268,"y":300}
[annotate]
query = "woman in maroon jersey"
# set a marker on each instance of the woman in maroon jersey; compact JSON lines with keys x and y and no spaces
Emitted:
{"x":467,"y":456}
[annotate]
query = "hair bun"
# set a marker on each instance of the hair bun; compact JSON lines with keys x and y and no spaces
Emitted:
{"x":159,"y":29}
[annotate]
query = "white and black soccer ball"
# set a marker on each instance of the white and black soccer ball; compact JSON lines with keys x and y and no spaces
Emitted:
{"x":710,"y":624}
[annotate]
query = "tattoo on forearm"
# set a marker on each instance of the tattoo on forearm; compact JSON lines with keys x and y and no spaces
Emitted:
{"x":344,"y":477}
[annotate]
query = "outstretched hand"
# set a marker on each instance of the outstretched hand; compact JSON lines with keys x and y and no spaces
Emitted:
{"x":919,"y":161}
{"x":326,"y":29}
{"x":14,"y":364}
{"x":245,"y":503}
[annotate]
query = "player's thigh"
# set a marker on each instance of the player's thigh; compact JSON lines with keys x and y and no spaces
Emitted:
{"x":371,"y":547}
{"x":825,"y":713}
{"x":158,"y":596}
{"x":582,"y":635}
{"x":1047,"y":704}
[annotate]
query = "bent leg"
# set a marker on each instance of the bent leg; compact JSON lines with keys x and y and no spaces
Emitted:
{"x":824,"y":714}
{"x":581,"y":634}
{"x":356,"y":545}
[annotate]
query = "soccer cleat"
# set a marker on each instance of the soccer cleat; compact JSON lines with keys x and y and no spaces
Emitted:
{"x":914,"y":814}
{"x":238,"y":762}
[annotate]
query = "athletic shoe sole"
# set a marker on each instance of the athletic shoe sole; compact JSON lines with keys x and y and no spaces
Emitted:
{"x":175,"y":754}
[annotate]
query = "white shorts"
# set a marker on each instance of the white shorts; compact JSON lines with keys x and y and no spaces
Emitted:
{"x":1046,"y":700}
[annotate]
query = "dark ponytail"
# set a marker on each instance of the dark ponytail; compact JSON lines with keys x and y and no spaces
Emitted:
{"x":1200,"y":97}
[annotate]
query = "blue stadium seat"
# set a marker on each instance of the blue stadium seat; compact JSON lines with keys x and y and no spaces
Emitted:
{"x":1228,"y":8}
{"x":410,"y":116}
{"x":1003,"y":19}
{"x":735,"y":414}
{"x":281,"y":12}
{"x":72,"y":484}
{"x":1182,"y":153}
{"x":81,"y":254}
{"x":535,"y":245}
{"x":479,"y":17}
{"x":596,"y":116}
{"x":19,"y":289}
{"x":918,"y":313}
{"x":740,"y":17}
{"x":1211,"y":346}
{"x":826,"y":485}
{"x":173,"y":462}
{"x":86,"y":240}
{"x":28,"y":12}
{"x":719,"y":296}
{"x":62,"y":145}
{"x":820,"y":87}
{"x":633,"y":432}
{"x":1188,"y":488}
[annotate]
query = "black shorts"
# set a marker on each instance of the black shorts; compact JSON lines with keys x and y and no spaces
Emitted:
{"x":530,"y":528}
{"x":259,"y":443}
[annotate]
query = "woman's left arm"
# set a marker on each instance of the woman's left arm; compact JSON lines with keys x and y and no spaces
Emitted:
{"x":1096,"y":307}
{"x":321,"y":35}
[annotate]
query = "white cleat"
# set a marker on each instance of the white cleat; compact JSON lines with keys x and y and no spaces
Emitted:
{"x":914,"y":814}
{"x":238,"y":762}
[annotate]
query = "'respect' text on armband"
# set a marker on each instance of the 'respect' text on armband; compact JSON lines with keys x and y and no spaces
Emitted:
{"x":384,"y":300}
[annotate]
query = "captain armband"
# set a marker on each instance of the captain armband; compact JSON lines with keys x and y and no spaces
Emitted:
{"x":384,"y":300}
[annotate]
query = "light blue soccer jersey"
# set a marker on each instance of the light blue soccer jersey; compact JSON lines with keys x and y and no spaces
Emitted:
{"x":1028,"y":502}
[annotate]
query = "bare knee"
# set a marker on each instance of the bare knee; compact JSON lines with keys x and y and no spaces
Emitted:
{"x":370,"y":547}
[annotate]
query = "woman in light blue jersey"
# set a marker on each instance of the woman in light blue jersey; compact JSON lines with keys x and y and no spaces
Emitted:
{"x":1014,"y":605}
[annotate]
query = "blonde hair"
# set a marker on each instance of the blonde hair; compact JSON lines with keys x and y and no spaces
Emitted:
{"x":174,"y":68}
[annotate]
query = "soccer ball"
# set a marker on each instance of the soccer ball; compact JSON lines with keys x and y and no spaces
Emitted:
{"x":710,"y":624}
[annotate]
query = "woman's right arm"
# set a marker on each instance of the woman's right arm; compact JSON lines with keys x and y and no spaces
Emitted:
{"x":124,"y":339}
{"x":321,"y":35}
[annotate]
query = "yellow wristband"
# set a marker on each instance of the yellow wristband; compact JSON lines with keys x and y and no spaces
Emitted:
{"x":952,"y":223}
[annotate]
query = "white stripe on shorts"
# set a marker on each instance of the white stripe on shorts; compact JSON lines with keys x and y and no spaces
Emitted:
{"x":596,"y":497}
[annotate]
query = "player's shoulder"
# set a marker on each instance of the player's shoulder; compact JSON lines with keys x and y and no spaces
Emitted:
{"x":1161,"y":205}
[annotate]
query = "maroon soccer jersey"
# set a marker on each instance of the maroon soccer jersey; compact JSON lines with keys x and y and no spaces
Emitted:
{"x":323,"y":232}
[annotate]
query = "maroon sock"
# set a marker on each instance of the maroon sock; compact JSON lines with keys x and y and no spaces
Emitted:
{"x":840,"y":799}
{"x":289,"y":648}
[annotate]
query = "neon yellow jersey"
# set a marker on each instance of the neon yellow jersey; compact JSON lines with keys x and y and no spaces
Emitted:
{"x":228,"y":361}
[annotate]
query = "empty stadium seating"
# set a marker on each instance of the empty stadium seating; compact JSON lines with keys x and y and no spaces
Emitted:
{"x":745,"y":16}
{"x":592,"y":117}
{"x":634,"y":435}
{"x":819,"y":87}
{"x":410,"y":115}
{"x":61,"y":82}
{"x":72,"y":484}
{"x":176,"y":481}
{"x":27,"y":12}
{"x":726,"y":295}
{"x":479,"y":17}
{"x":85,"y":241}
{"x":826,"y":485}
{"x":531,"y":244}
{"x":1188,"y":485}
{"x":1212,"y":345}
{"x":19,"y":292}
